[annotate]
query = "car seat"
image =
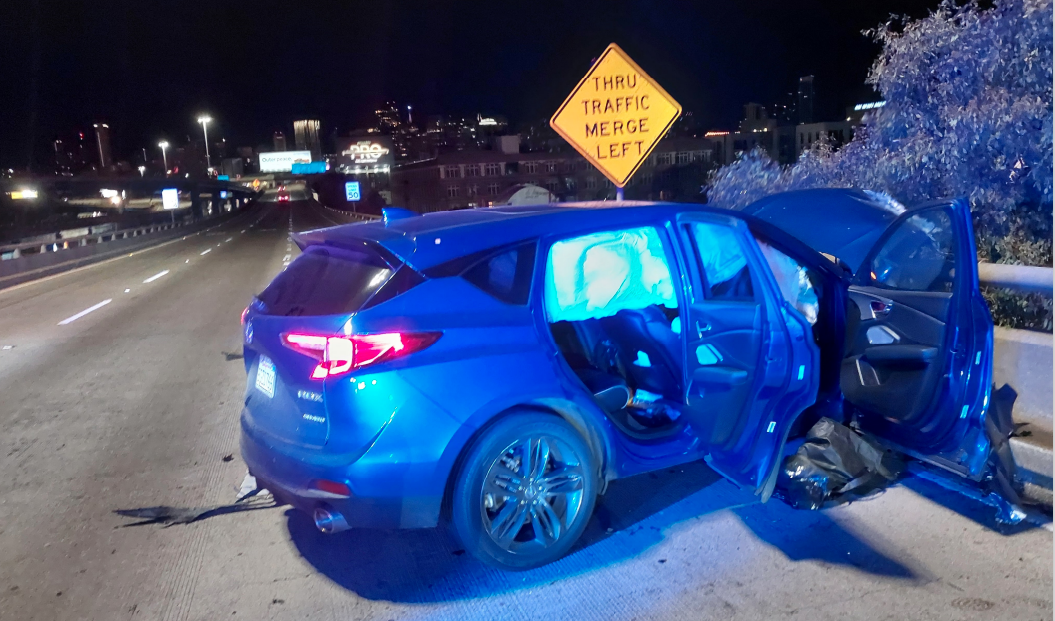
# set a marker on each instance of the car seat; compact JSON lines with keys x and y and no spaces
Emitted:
{"x":648,"y":349}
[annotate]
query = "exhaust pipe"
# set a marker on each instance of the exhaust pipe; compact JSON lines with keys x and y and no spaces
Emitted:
{"x":329,"y":521}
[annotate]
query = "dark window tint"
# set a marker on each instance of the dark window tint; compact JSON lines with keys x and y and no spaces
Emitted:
{"x":402,"y":281}
{"x":325,"y":281}
{"x":919,"y":256}
{"x":507,"y":275}
{"x":726,"y":273}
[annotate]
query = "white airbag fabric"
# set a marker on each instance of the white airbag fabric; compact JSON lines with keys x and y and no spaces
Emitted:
{"x":600,"y":274}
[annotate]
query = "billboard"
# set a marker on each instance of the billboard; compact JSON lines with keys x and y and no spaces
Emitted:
{"x":365,"y":154}
{"x":311,"y":168}
{"x":283,"y":161}
{"x":170,"y":198}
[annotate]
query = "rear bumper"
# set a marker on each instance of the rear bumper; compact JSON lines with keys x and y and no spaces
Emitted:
{"x":377,"y":501}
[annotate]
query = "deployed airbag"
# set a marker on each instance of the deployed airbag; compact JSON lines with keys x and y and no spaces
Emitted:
{"x":793,"y":281}
{"x":600,"y":274}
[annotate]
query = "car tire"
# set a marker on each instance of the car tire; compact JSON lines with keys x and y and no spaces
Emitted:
{"x":513,"y":514}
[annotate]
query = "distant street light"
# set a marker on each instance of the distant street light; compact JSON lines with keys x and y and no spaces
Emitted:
{"x":142,"y":170}
{"x":164,"y":160}
{"x":204,"y":120}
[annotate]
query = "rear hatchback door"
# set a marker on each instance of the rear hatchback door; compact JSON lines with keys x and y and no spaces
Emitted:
{"x":316,"y":294}
{"x":920,"y":368}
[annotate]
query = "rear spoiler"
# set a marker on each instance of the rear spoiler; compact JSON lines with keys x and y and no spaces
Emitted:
{"x":316,"y":238}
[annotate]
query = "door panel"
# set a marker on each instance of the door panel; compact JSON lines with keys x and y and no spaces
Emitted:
{"x":750,"y":366}
{"x":914,"y":371}
{"x":893,"y":367}
{"x":724,"y":340}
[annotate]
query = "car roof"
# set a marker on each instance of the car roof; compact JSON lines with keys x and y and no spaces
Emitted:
{"x":434,"y":238}
{"x":841,"y":222}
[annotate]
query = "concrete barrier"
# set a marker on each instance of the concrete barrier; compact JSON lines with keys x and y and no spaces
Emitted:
{"x":1023,"y":359}
{"x":22,"y":268}
{"x":1022,"y":278}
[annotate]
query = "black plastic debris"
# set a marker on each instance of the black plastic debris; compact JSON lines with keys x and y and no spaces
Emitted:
{"x":250,"y":498}
{"x":834,"y":465}
{"x":1001,"y":484}
{"x":170,"y":516}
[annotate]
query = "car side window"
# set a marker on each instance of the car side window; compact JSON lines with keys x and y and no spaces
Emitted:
{"x":597,"y":275}
{"x":506,"y":275}
{"x":920,"y":255}
{"x":723,"y":264}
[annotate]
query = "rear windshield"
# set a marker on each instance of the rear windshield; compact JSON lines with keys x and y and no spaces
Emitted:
{"x":325,"y":281}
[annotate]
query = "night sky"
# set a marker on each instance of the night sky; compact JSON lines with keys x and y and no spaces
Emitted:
{"x":149,"y":67}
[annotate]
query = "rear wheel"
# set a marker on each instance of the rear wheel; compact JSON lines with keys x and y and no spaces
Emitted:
{"x":525,"y":492}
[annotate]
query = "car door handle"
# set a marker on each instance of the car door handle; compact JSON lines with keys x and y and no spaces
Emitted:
{"x":702,"y":327}
{"x":880,"y":309}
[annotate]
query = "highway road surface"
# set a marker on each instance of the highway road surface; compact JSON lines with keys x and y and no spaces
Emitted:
{"x":120,"y":387}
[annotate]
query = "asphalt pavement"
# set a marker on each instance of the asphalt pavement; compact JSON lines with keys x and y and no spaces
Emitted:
{"x":121,"y":385}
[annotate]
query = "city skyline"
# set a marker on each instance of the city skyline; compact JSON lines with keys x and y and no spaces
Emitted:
{"x":255,"y":79}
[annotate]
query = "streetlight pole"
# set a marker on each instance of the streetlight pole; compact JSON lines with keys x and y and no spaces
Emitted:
{"x":164,"y":159}
{"x":204,"y":120}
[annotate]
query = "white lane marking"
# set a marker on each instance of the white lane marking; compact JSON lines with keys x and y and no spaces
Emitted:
{"x":127,"y":290}
{"x":84,"y":312}
{"x":7,"y":347}
{"x":155,"y":276}
{"x":207,"y":251}
{"x":187,"y":261}
{"x":217,"y":245}
{"x":286,"y":258}
{"x":227,"y":240}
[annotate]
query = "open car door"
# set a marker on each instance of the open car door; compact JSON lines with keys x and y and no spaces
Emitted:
{"x":750,"y":361}
{"x":919,"y":370}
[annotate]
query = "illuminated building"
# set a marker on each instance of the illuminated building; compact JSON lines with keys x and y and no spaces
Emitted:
{"x":306,"y":137}
{"x":102,"y":142}
{"x":388,"y":117}
{"x":805,"y":101}
{"x":475,"y":178}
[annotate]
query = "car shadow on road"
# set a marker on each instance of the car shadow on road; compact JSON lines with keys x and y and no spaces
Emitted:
{"x":815,"y":536}
{"x":421,"y":566}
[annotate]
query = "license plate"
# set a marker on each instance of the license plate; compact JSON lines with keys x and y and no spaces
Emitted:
{"x":265,"y":376}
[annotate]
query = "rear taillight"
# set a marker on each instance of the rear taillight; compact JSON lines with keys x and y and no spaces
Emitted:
{"x":340,"y":354}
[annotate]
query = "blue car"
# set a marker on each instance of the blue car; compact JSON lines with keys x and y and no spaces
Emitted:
{"x":498,"y":367}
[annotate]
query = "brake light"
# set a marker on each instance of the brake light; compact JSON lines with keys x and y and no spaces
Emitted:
{"x":340,"y":354}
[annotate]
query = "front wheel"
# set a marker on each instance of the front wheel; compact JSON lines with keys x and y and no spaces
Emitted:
{"x":525,"y":492}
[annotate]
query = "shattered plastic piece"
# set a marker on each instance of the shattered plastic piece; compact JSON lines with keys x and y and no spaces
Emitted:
{"x":248,"y":488}
{"x":834,"y":465}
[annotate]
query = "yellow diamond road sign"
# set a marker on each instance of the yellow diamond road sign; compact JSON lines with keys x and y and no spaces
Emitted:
{"x":615,"y":115}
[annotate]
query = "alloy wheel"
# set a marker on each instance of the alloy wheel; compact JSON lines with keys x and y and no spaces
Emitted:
{"x":531,"y":493}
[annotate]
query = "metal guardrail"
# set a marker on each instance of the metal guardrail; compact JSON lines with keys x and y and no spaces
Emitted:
{"x":1021,"y":278}
{"x":14,"y":251}
{"x":365,"y":217}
